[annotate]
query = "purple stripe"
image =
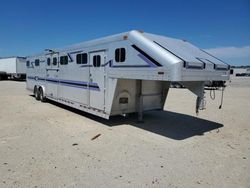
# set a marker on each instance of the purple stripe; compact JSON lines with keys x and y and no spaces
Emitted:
{"x":82,"y":87}
{"x":72,"y":81}
{"x":86,"y":66}
{"x":150,"y":63}
{"x":95,"y":89}
{"x":92,"y":85}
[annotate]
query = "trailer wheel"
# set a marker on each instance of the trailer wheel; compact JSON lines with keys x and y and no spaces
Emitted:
{"x":36,"y":93}
{"x":41,"y":93}
{"x":3,"y":77}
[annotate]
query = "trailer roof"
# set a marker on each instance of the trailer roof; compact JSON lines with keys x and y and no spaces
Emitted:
{"x":8,"y":57}
{"x":179,"y":48}
{"x":89,"y":43}
{"x":183,"y":49}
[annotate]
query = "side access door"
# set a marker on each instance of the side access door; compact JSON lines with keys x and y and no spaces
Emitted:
{"x":97,"y":80}
{"x":52,"y":69}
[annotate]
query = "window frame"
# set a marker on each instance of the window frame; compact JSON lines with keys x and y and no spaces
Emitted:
{"x":37,"y":62}
{"x":48,"y":61}
{"x":97,"y":61}
{"x":28,"y":63}
{"x":120,"y":55}
{"x":54,"y":61}
{"x":64,"y":60}
{"x":80,"y":58}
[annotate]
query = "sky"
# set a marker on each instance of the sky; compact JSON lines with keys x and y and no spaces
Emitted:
{"x":222,"y":27}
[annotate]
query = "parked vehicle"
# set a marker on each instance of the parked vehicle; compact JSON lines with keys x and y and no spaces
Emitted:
{"x":242,"y":74}
{"x":121,"y":74}
{"x":12,"y":67}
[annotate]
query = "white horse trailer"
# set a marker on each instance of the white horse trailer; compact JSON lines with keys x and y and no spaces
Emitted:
{"x":121,"y":74}
{"x":14,"y":67}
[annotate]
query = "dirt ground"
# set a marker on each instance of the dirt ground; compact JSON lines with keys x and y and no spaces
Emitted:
{"x":48,"y":145}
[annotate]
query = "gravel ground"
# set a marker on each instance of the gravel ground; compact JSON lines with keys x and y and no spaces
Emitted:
{"x":49,"y":145}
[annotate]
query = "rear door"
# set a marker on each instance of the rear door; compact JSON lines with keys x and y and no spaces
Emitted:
{"x":97,"y":80}
{"x":52,"y":69}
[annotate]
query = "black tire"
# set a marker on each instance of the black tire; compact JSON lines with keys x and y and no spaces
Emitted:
{"x":36,"y":93}
{"x":3,"y":77}
{"x":41,"y":95}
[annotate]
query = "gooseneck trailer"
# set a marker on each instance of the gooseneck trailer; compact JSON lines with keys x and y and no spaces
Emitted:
{"x":121,"y":74}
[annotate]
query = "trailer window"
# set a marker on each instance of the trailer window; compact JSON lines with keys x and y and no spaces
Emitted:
{"x":54,"y":61}
{"x":96,"y":60}
{"x":82,"y":58}
{"x":27,"y":63}
{"x":37,"y":62}
{"x":48,"y":61}
{"x":64,"y":60}
{"x":120,"y":55}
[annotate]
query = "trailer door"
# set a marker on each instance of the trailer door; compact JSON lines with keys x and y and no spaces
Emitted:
{"x":52,"y":76}
{"x":96,"y":82}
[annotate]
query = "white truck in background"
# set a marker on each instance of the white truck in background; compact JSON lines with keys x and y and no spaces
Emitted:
{"x":12,"y":67}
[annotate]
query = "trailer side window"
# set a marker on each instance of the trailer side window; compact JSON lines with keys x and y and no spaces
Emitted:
{"x":96,"y":60}
{"x":48,"y":61}
{"x":64,"y":60}
{"x":120,"y":55}
{"x":54,"y":61}
{"x":82,"y":58}
{"x":37,"y":62}
{"x":27,"y":63}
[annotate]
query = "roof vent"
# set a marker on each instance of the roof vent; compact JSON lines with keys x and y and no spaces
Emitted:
{"x":140,"y":31}
{"x":125,"y":37}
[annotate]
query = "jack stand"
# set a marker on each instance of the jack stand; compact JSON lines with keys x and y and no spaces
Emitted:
{"x":200,"y":104}
{"x":140,"y":104}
